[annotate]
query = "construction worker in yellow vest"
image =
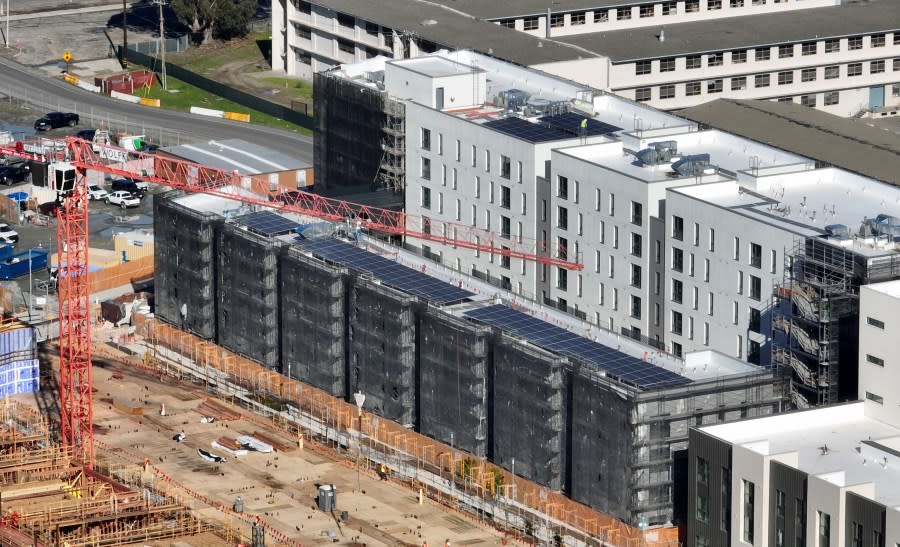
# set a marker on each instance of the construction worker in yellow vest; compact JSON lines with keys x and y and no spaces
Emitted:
{"x":383,"y":472}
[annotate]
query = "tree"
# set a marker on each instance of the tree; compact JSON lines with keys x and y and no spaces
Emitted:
{"x":214,"y":18}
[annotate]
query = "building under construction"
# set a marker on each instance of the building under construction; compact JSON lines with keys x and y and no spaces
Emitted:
{"x":565,"y":404}
{"x":817,"y":311}
{"x":359,"y":140}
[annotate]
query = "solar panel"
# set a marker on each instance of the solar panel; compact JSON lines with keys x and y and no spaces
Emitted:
{"x":528,"y":131}
{"x":267,"y":223}
{"x":570,"y":122}
{"x":389,"y":272}
{"x":551,"y":337}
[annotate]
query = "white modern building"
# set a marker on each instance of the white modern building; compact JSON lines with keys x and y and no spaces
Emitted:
{"x":842,"y":57}
{"x":823,"y":477}
{"x":649,"y":226}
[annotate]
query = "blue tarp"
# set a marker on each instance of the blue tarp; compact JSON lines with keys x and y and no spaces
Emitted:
{"x":18,"y":196}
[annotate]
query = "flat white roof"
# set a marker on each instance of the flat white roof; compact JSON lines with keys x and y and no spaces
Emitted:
{"x":207,"y":203}
{"x":839,"y":443}
{"x":435,"y":66}
{"x":887,"y":288}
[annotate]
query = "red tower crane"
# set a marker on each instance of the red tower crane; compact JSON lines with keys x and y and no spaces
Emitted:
{"x":76,"y":380}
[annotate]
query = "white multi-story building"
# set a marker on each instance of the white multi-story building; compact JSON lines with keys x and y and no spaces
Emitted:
{"x":822,"y":477}
{"x":671,"y":54}
{"x":681,"y":234}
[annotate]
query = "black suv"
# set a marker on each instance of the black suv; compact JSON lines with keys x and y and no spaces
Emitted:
{"x":127,"y":185}
{"x":13,"y":173}
{"x":52,"y":120}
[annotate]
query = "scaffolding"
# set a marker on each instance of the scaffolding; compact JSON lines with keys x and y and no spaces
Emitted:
{"x":817,"y":313}
{"x":392,"y":169}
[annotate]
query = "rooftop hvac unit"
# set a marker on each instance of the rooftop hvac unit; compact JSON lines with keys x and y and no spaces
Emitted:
{"x":511,"y":99}
{"x":838,"y":231}
{"x":658,"y":153}
{"x":543,"y":107}
{"x":887,"y":225}
{"x":692,"y":166}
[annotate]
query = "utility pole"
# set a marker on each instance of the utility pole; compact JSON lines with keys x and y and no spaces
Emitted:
{"x":6,"y":36}
{"x":162,"y":41}
{"x":125,"y":34}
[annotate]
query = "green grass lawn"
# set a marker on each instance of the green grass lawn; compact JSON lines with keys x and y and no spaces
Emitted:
{"x":208,"y":59}
{"x":181,"y":96}
{"x":296,"y":89}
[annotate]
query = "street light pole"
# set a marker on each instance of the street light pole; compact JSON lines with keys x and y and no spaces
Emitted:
{"x":360,"y":399}
{"x":6,"y":36}
{"x":30,"y":287}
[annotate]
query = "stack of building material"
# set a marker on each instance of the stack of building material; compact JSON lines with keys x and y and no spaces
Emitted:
{"x":218,"y":411}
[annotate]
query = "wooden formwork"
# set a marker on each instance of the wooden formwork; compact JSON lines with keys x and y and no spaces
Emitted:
{"x":482,"y":476}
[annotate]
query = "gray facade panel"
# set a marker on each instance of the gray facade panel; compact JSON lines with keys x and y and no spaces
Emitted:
{"x":787,"y":505}
{"x":865,"y":519}
{"x":716,"y":489}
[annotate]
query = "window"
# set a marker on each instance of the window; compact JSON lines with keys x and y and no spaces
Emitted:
{"x":755,"y":320}
{"x":710,"y":304}
{"x":702,"y":509}
{"x":458,"y":150}
{"x":739,"y":56}
{"x":735,"y":316}
{"x":505,"y":167}
{"x":426,"y":139}
{"x":518,"y":171}
{"x":832,"y":46}
{"x":737,"y":3}
{"x":748,"y":509}
{"x":824,"y":520}
{"x":612,"y":267}
{"x":426,"y":197}
{"x":739,"y":83}
{"x":601,"y":16}
{"x":508,"y":23}
{"x":713,"y":4}
{"x":878,"y":40}
{"x":756,"y":255}
{"x":692,"y":6}
{"x":577,"y":18}
{"x":531,"y":23}
{"x":736,"y":249}
{"x":615,"y":237}
{"x":854,"y":43}
{"x":854,"y":69}
{"x":602,"y":232}
{"x":637,"y":213}
{"x":706,"y":270}
{"x":474,"y":156}
{"x":677,"y":228}
{"x":643,"y":67}
{"x":786,"y":78}
{"x":302,"y":32}
{"x":695,"y":298}
{"x":623,"y":14}
{"x":693,"y":61}
{"x":755,"y":287}
{"x":677,"y":259}
{"x":877,"y":538}
{"x":562,"y":218}
{"x":857,"y":530}
{"x":642,"y":94}
{"x":346,"y":20}
{"x":557,"y":20}
{"x":426,"y":168}
{"x":786,"y":51}
{"x":875,"y":360}
{"x":876,"y":67}
{"x":874,"y":398}
{"x":761,"y":80}
{"x":612,"y":205}
{"x":636,"y":307}
{"x":505,"y":197}
{"x":487,"y":161}
{"x":666,"y":91}
{"x":808,"y":75}
{"x":637,"y":245}
{"x":562,"y":279}
{"x":808,"y":100}
{"x":740,"y":284}
{"x":346,"y":46}
{"x":667,"y":64}
{"x":669,"y":8}
{"x":692,"y":88}
{"x":809,"y":48}
{"x":647,"y":11}
{"x":762,"y":54}
{"x":677,"y":321}
{"x":779,"y":503}
{"x":562,"y":187}
{"x":636,"y":276}
{"x":714,"y":86}
{"x":831,"y":98}
{"x":506,"y":227}
{"x":677,"y":291}
{"x":715,"y":59}
{"x":773,"y":262}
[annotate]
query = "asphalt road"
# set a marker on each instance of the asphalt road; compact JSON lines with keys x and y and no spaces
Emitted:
{"x":22,"y":81}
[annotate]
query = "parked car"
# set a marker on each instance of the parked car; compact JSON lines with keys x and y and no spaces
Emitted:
{"x":96,"y":192}
{"x":52,"y":120}
{"x":127,"y":185}
{"x":13,"y":173}
{"x":123,"y":199}
{"x":7,"y":234}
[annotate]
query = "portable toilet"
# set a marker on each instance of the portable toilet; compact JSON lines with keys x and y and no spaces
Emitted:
{"x":327,"y":498}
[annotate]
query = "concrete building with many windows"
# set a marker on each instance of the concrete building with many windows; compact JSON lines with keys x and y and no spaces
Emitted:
{"x":822,"y":477}
{"x":653,"y":228}
{"x":842,"y":57}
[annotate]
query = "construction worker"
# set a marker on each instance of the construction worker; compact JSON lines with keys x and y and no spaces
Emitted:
{"x":383,"y":472}
{"x":447,"y":543}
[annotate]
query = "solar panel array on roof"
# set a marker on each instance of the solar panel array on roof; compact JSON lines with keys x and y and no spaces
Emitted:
{"x":267,"y":223}
{"x":528,"y":131}
{"x":615,"y":363}
{"x":570,"y":122}
{"x":389,"y":272}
